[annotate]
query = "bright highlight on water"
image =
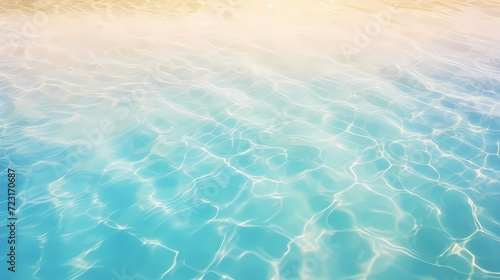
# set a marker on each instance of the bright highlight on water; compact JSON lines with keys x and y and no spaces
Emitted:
{"x":250,"y":140}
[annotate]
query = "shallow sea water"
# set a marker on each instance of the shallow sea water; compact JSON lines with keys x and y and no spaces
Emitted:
{"x":252,"y":140}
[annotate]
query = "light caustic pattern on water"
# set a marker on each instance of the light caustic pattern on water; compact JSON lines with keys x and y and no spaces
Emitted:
{"x":252,"y":139}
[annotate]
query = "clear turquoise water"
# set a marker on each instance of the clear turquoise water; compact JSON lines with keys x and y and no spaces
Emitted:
{"x":198,"y":167}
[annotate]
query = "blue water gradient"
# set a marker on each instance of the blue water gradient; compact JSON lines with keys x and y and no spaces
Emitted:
{"x":199,"y":167}
{"x":349,"y":184}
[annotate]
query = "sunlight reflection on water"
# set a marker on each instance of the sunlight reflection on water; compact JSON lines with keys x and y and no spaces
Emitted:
{"x":253,"y":140}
